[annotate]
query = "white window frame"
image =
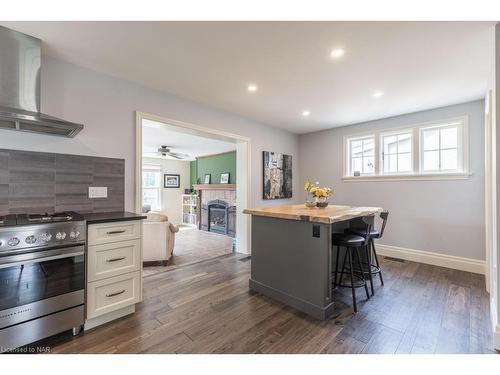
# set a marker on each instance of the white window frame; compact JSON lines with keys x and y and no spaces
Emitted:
{"x":381,"y":155}
{"x":462,"y":146}
{"x":153,"y":168}
{"x":347,"y":151}
{"x":462,"y":172}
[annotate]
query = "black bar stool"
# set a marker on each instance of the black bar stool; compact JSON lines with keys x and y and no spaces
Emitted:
{"x":352,"y":244}
{"x":372,"y":269}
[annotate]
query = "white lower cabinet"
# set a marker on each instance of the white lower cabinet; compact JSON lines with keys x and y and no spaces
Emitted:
{"x":113,"y":232}
{"x":114,"y":272}
{"x":105,"y":296}
{"x":113,"y":259}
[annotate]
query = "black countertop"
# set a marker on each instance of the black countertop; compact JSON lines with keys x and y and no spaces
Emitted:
{"x":108,"y":217}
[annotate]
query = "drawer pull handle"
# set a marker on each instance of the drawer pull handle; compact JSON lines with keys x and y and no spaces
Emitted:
{"x":115,"y":294}
{"x":116,"y":232}
{"x":114,"y":259}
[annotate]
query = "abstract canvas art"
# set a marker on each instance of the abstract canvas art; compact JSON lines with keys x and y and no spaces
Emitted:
{"x":277,"y":175}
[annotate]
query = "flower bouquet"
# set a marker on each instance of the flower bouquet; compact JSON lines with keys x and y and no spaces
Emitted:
{"x":319,"y":194}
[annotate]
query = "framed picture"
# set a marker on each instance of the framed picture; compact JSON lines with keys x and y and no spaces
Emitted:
{"x":171,"y":181}
{"x":277,"y":175}
{"x":207,"y":178}
{"x":224,"y":178}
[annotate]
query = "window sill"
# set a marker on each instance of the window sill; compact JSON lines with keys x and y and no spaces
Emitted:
{"x":410,"y":177}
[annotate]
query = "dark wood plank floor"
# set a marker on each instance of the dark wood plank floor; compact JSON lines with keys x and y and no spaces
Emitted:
{"x":192,"y":246}
{"x":207,"y":308}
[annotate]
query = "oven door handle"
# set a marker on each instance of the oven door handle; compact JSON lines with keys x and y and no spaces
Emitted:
{"x":20,"y":259}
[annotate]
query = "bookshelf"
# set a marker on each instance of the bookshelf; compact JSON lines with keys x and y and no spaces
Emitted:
{"x":189,"y":209}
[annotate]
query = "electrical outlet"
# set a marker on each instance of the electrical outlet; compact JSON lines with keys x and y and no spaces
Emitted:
{"x":98,"y":192}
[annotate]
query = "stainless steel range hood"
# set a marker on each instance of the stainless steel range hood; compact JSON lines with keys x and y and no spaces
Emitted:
{"x":20,"y":66}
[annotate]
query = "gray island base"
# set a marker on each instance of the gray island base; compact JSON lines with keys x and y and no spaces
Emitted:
{"x":292,"y":254}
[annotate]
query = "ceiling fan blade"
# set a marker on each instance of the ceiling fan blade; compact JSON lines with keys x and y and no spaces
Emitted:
{"x":174,"y":156}
{"x":177,"y":155}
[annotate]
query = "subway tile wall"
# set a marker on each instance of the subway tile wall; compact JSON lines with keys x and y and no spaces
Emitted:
{"x":39,"y":182}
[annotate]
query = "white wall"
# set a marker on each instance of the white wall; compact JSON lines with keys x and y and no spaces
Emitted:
{"x":171,"y":199}
{"x":495,"y":256}
{"x":106,"y":105}
{"x":440,"y":216}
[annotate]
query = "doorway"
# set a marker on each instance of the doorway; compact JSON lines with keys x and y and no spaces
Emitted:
{"x":226,"y":194}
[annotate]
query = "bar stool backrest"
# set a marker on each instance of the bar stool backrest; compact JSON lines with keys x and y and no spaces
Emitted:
{"x":369,"y":221}
{"x":383,"y":215}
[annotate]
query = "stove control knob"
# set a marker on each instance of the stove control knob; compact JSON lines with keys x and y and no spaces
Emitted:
{"x":14,"y":241}
{"x":46,"y":237}
{"x":30,"y":239}
{"x":74,"y":234}
{"x":61,"y":235}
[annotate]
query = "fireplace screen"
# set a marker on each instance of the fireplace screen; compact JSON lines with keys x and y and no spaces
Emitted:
{"x":217,"y":219}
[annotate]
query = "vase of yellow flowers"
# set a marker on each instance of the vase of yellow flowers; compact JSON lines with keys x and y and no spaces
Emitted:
{"x":310,"y":202}
{"x":319,"y":194}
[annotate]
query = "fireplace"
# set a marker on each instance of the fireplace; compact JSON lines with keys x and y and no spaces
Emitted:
{"x":219,"y":217}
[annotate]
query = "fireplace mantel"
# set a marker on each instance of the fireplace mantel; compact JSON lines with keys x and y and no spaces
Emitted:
{"x":215,"y":187}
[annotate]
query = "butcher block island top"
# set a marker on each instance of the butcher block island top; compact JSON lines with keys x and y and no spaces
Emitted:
{"x":328,"y":215}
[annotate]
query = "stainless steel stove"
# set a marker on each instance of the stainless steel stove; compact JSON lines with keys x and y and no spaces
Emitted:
{"x":42,"y":276}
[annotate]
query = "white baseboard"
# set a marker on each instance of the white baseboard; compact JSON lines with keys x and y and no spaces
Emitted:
{"x":436,"y":259}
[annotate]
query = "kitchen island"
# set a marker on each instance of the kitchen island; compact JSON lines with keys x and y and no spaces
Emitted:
{"x":292,"y":253}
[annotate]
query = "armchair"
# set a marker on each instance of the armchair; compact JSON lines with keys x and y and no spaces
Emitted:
{"x":158,"y":239}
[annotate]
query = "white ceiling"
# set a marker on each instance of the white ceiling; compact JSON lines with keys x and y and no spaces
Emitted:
{"x":155,"y":134}
{"x":418,"y":65}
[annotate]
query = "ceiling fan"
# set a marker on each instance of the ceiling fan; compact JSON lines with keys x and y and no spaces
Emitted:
{"x":166,"y":151}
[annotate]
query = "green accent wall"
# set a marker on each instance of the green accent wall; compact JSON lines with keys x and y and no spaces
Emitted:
{"x":215,"y":165}
{"x":192,"y":173}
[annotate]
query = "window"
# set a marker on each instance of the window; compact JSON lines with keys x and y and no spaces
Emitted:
{"x":397,"y":152}
{"x":362,"y":156}
{"x":440,"y":149}
{"x":151,"y":187}
{"x":433,"y":150}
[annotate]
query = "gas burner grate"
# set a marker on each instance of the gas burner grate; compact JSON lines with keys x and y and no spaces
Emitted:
{"x":7,"y":220}
{"x":58,"y":217}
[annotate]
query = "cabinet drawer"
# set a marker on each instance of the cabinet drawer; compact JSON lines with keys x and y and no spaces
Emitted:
{"x":111,"y":294}
{"x":113,"y":232}
{"x":113,"y":259}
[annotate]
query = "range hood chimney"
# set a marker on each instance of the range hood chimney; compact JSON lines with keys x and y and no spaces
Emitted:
{"x":20,"y":66}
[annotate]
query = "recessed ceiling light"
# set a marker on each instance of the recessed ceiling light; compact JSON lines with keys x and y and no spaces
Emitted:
{"x":337,"y":52}
{"x":377,"y":94}
{"x":306,"y":113}
{"x":252,"y":88}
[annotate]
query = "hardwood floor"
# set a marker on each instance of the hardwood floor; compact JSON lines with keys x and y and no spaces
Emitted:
{"x":192,"y":246}
{"x":207,"y":308}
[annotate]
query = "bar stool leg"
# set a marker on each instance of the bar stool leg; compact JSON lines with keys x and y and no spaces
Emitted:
{"x":376,"y":261}
{"x":369,"y":259}
{"x":362,"y":273}
{"x":336,"y":267}
{"x":342,"y":273}
{"x":352,"y":281}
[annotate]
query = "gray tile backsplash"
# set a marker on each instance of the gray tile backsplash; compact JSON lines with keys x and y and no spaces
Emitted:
{"x":39,"y":182}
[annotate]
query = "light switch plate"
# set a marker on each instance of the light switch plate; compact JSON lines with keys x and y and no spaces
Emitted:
{"x":98,"y":192}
